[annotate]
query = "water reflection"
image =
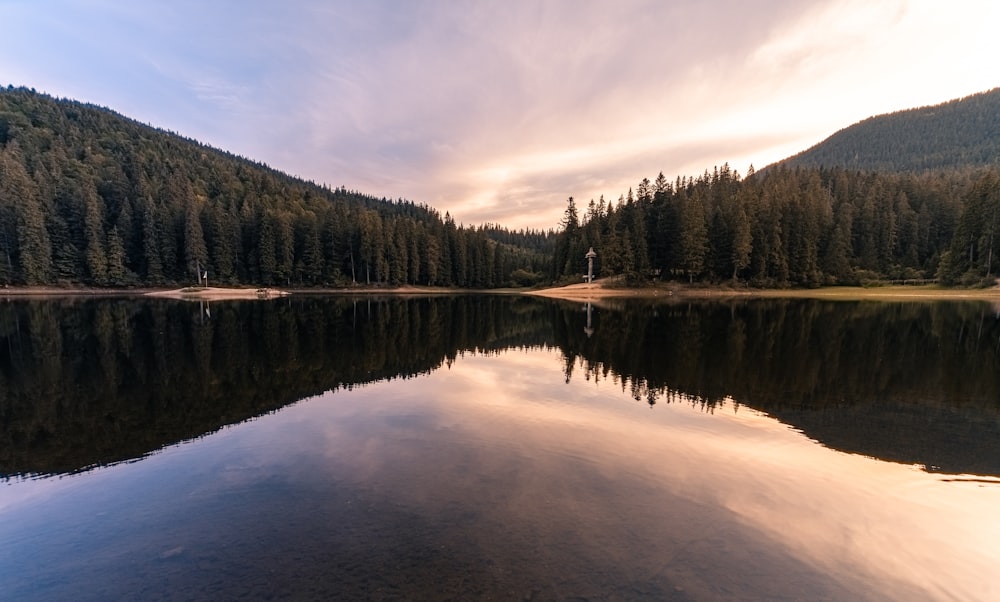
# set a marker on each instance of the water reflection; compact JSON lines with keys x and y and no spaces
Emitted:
{"x":86,"y":383}
{"x":917,"y":383}
{"x":495,"y":479}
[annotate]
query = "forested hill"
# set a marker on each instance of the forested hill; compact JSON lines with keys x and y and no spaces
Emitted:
{"x":88,"y":196}
{"x":957,"y":134}
{"x":909,"y":196}
{"x":792,"y":227}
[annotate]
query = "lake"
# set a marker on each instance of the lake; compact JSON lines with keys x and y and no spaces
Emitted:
{"x":499,"y":447}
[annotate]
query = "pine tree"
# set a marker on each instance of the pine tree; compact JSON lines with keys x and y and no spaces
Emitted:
{"x":742,"y":242}
{"x":97,"y":261}
{"x":267,"y":256}
{"x":25,"y":216}
{"x":564,"y":262}
{"x":694,"y":236}
{"x":151,"y":243}
{"x":430,"y":258}
{"x":836,"y":259}
{"x":284,"y":248}
{"x":195,"y":250}
{"x":117,"y":274}
{"x":311,"y":261}
{"x":11,"y":192}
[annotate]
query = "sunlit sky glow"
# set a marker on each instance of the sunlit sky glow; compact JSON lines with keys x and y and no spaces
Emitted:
{"x":499,"y":111}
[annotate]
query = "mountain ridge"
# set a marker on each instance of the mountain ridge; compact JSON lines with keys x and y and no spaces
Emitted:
{"x":957,"y":134}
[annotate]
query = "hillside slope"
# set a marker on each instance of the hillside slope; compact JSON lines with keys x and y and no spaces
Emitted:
{"x":962,"y":133}
{"x":88,"y":196}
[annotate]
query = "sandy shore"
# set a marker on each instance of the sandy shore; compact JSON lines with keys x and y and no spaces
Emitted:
{"x":406,"y":290}
{"x":218,"y":294}
{"x":597,"y":290}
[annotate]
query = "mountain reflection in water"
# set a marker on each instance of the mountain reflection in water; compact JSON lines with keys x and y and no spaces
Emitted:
{"x":85,"y":383}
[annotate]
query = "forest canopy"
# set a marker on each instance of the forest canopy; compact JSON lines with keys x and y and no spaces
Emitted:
{"x":90,"y":197}
{"x":911,"y":196}
{"x":792,"y":227}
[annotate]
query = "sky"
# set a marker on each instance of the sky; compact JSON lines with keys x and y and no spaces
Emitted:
{"x":497,"y":112}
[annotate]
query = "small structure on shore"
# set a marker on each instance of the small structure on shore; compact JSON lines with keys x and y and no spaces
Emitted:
{"x":590,"y":264}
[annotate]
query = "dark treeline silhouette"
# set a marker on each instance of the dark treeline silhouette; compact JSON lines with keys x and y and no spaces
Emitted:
{"x":791,"y":227}
{"x":90,"y":197}
{"x":954,"y":135}
{"x":98,"y":381}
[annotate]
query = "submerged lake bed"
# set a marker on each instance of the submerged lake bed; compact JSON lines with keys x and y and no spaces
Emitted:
{"x":499,"y":447}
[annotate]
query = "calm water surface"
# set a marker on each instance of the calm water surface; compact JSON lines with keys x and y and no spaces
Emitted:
{"x":499,"y":448}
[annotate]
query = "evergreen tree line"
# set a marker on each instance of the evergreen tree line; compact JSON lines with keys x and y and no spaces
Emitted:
{"x":791,"y":227}
{"x":90,"y":197}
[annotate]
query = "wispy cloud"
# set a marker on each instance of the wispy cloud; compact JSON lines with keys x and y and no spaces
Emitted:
{"x":499,"y":111}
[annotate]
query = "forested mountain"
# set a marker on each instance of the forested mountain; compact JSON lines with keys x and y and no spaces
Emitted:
{"x":908,"y":196}
{"x":88,"y":196}
{"x":791,"y":227}
{"x":957,"y":134}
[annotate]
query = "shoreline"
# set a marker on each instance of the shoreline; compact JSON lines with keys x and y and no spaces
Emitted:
{"x":573,"y":292}
{"x":597,"y":291}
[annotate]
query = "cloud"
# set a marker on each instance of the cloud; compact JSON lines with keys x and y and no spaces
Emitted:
{"x":505,"y":104}
{"x":500,"y":111}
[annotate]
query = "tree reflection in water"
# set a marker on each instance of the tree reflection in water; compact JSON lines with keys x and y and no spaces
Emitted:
{"x":90,"y":382}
